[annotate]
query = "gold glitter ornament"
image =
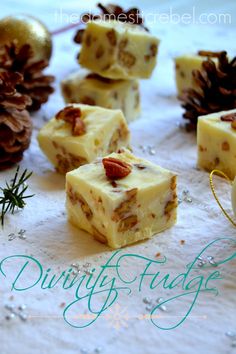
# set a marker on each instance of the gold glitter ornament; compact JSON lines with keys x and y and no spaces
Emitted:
{"x":233,"y":194}
{"x":27,"y":29}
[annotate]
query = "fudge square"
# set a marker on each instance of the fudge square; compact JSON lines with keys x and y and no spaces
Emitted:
{"x":216,"y":139}
{"x":184,"y":66}
{"x":80,"y":133}
{"x":90,"y":88}
{"x":121,"y":199}
{"x":118,"y":50}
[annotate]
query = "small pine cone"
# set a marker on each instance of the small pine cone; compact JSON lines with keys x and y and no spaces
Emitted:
{"x":215,"y":88}
{"x":15,"y":122}
{"x":35,"y":84}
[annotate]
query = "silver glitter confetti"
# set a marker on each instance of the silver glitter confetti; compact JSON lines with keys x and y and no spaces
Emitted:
{"x":10,"y":317}
{"x":16,"y":313}
{"x":21,"y":235}
{"x":152,"y":152}
{"x":9,"y":307}
{"x":11,"y":237}
{"x":186,"y":196}
{"x":22,"y":307}
{"x":143,"y":148}
{"x":163,"y":308}
{"x":231,"y":334}
{"x":147,"y":300}
{"x":149,"y":307}
{"x":83,"y":351}
{"x":203,"y":261}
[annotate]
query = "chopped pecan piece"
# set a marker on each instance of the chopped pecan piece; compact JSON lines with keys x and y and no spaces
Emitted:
{"x":128,"y":223}
{"x":116,"y":169}
{"x":126,"y":206}
{"x":111,"y":35}
{"x":225,"y":146}
{"x":72,"y":115}
{"x":71,"y":194}
{"x":84,"y":206}
{"x":98,"y":235}
{"x":140,"y":166}
{"x":88,"y":100}
{"x":75,"y":198}
{"x":153,"y":49}
{"x":88,"y":40}
{"x":172,"y":204}
{"x":173,"y":183}
{"x":126,"y":58}
{"x":100,"y":52}
{"x":123,"y":43}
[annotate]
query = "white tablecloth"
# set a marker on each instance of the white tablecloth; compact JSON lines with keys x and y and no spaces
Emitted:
{"x":56,"y":244}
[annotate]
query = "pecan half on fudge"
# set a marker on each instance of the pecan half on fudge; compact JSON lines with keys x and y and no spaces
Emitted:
{"x":118,"y":50}
{"x":79,"y":133}
{"x":121,"y":199}
{"x":216,"y":138}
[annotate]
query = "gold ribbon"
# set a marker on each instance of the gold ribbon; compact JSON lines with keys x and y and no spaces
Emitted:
{"x":214,"y":193}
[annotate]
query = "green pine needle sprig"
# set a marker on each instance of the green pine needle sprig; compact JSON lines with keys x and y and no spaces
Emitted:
{"x":13,"y":195}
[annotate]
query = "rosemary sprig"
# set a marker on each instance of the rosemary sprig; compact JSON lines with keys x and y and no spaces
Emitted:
{"x":13,"y":194}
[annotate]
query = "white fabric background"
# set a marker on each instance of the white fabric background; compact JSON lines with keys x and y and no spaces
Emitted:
{"x":56,"y":244}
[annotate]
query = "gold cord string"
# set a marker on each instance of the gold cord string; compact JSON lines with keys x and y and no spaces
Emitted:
{"x":214,"y":193}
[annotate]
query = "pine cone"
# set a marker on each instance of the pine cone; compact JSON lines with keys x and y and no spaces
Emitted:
{"x":114,"y":12}
{"x":216,"y":88}
{"x":35,"y":83}
{"x":15,"y":122}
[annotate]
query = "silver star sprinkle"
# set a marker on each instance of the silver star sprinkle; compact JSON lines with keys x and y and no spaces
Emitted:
{"x":16,"y":313}
{"x":11,"y":237}
{"x":231,"y":334}
{"x":147,"y":300}
{"x":186,"y":196}
{"x":21,"y":235}
{"x":209,"y":259}
{"x":83,"y":351}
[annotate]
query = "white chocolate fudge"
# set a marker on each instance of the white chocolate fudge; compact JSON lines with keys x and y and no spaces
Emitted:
{"x":89,"y":88}
{"x":234,"y":197}
{"x":216,"y":139}
{"x":80,"y":133}
{"x":121,"y":199}
{"x":184,"y":66}
{"x":118,"y":50}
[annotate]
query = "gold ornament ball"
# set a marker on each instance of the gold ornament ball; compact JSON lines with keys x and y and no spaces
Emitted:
{"x":27,"y":29}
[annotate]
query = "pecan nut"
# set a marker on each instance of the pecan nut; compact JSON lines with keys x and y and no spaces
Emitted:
{"x":127,"y":223}
{"x":231,"y":117}
{"x":72,"y":115}
{"x":116,"y":169}
{"x":126,"y":206}
{"x":111,"y":35}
